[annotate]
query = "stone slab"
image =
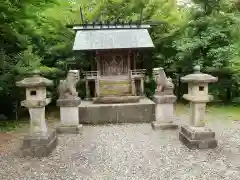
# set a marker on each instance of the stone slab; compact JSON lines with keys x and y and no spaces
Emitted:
{"x":164,"y":125}
{"x":143,"y":111}
{"x":69,"y":116}
{"x":165,"y":92}
{"x":69,"y":102}
{"x":197,"y":133}
{"x":197,"y":144}
{"x":114,"y":86}
{"x":39,"y":145}
{"x":165,"y":113}
{"x":36,"y":103}
{"x":200,"y":98}
{"x":69,"y":129}
{"x":197,"y":138}
{"x":165,"y":99}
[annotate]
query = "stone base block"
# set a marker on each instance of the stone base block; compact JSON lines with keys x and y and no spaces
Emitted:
{"x":197,"y":137}
{"x":72,"y":102}
{"x":165,"y":92}
{"x":163,"y":125}
{"x":164,"y":99}
{"x":65,"y":129}
{"x":143,"y":111}
{"x":39,"y":145}
{"x":69,"y":116}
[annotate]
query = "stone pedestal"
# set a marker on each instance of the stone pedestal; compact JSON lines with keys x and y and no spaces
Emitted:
{"x":69,"y":115}
{"x":164,"y":112}
{"x":140,"y":112}
{"x":197,"y":137}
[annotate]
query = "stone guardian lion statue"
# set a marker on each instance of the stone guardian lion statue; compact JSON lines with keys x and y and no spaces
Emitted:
{"x":162,"y":82}
{"x":67,"y":87}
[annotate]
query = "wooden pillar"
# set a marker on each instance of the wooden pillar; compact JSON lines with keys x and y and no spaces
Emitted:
{"x":87,"y":89}
{"x":98,"y":64}
{"x":129,"y":61}
{"x":98,"y":58}
{"x":92,"y":62}
{"x":134,"y":61}
{"x":142,"y":87}
{"x":133,"y":87}
{"x":97,"y":88}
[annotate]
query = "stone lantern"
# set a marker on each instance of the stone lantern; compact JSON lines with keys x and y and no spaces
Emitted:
{"x":39,"y":142}
{"x":196,"y":135}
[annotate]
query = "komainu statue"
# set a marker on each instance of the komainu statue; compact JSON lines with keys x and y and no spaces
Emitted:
{"x":163,"y":83}
{"x":67,"y":87}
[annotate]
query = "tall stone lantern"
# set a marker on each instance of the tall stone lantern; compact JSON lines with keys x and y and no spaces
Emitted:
{"x":39,"y":142}
{"x":196,"y":135}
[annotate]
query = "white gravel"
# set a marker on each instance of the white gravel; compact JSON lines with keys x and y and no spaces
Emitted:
{"x":130,"y":152}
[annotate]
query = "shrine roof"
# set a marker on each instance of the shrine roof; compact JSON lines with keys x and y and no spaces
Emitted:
{"x":122,"y":37}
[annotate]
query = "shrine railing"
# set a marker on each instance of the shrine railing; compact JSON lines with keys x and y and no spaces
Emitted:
{"x":137,"y":73}
{"x":91,"y":75}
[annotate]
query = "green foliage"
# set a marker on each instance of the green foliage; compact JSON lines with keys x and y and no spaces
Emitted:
{"x":150,"y":88}
{"x":33,"y":35}
{"x":6,"y":126}
{"x":209,"y":39}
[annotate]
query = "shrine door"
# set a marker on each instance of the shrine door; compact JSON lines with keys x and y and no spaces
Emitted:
{"x":113,"y":64}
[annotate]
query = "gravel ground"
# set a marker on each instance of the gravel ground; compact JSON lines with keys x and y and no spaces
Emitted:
{"x":130,"y":152}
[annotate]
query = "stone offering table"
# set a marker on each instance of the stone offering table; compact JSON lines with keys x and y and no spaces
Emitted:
{"x":39,"y":142}
{"x":196,"y":135}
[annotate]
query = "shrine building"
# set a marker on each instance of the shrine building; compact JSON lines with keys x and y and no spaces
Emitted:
{"x":116,"y":76}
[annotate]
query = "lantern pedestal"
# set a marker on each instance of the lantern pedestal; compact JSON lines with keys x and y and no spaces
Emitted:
{"x":197,"y":137}
{"x":39,"y":145}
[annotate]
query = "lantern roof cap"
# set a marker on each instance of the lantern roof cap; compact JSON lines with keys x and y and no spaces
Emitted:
{"x":35,"y":80}
{"x":198,"y":77}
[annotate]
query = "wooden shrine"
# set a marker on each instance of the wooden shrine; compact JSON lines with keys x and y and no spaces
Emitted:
{"x":115,"y":48}
{"x":115,"y":79}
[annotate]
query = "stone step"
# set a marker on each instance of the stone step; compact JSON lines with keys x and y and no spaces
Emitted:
{"x":114,"y":82}
{"x":116,"y":99}
{"x":114,"y":87}
{"x":121,"y":77}
{"x":104,"y":92}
